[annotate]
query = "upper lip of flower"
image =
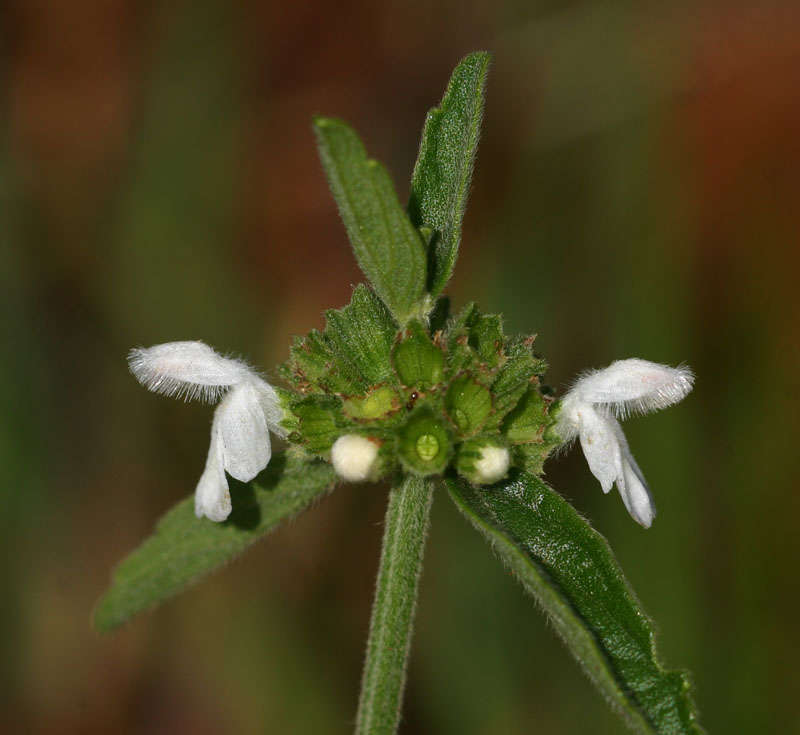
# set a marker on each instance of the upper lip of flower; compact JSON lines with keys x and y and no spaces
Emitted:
{"x":248,"y":411}
{"x":590,"y":410}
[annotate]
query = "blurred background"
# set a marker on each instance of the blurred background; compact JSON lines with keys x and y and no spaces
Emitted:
{"x":636,"y":194}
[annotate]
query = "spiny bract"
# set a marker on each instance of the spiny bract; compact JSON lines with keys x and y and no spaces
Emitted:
{"x":429,"y":395}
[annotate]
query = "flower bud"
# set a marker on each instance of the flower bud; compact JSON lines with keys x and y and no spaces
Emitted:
{"x":425,"y":444}
{"x":354,"y":457}
{"x":483,"y":461}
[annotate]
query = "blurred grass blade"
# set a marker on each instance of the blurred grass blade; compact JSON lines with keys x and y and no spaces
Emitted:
{"x":570,"y":570}
{"x":443,"y":171}
{"x":184,"y":549}
{"x":388,"y":248}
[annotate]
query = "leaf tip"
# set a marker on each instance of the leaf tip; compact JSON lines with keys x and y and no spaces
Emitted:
{"x":482,"y":56}
{"x":103,"y":618}
{"x":323,"y":122}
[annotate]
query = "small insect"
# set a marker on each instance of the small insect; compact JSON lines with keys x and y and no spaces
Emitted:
{"x":412,"y":399}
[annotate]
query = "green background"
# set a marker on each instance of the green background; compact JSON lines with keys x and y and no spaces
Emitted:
{"x":635,"y":195}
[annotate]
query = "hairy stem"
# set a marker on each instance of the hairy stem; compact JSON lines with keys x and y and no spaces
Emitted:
{"x":393,"y":609}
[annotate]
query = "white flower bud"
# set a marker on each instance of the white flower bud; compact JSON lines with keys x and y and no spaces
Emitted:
{"x":354,"y":457}
{"x":492,"y":465}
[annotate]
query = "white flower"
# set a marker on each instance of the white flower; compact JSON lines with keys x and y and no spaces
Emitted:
{"x":249,"y":410}
{"x":590,"y":410}
{"x":354,"y":457}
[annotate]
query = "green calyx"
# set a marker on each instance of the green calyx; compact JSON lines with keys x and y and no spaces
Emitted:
{"x":418,"y":362}
{"x":468,"y":404}
{"x":432,"y":395}
{"x":425,"y":446}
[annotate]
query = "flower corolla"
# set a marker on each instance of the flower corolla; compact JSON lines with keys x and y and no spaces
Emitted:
{"x":248,"y":411}
{"x":354,"y":457}
{"x":590,"y":410}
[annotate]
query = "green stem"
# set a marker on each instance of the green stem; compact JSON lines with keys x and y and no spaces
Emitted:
{"x":384,"y":677}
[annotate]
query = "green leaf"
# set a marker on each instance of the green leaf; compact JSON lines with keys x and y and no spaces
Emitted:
{"x":387,"y":246}
{"x":443,"y":170}
{"x":570,"y":570}
{"x":184,"y":548}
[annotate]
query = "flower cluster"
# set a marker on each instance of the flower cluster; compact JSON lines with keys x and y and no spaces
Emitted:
{"x":458,"y":400}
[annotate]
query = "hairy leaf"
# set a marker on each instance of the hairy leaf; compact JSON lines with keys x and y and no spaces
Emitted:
{"x":570,"y":570}
{"x":387,"y":246}
{"x":184,"y":549}
{"x":443,"y":170}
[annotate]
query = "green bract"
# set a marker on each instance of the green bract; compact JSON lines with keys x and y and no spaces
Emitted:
{"x":420,"y":394}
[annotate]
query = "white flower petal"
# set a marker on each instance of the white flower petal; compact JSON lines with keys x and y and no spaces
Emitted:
{"x":212,"y":497}
{"x":634,"y":491}
{"x":191,"y":370}
{"x":600,"y":444}
{"x":635,"y":386}
{"x":353,"y":457}
{"x":243,"y":428}
{"x":568,"y":423}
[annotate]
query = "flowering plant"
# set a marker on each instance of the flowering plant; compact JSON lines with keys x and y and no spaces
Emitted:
{"x":397,"y":388}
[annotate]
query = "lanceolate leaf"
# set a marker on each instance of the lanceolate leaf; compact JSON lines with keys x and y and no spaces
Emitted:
{"x":443,"y":171}
{"x":388,"y":247}
{"x":568,"y":567}
{"x":184,"y":549}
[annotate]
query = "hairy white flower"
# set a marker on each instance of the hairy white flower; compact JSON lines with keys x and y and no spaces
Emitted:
{"x":589,"y":411}
{"x":249,"y":410}
{"x":354,"y":457}
{"x":492,"y":465}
